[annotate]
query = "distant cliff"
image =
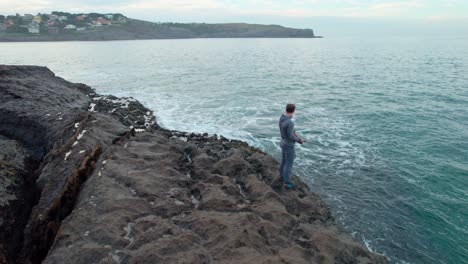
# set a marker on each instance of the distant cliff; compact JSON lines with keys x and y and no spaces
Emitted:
{"x":60,"y":26}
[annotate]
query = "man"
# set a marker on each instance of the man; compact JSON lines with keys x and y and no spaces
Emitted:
{"x":288,"y":140}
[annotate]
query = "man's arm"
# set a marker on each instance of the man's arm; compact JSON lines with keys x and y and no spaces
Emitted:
{"x":291,"y":134}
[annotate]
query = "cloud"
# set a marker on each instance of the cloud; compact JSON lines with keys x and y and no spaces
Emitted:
{"x":228,"y":9}
{"x":174,"y":5}
{"x":333,"y":8}
{"x":396,"y":5}
{"x":23,"y":5}
{"x":386,"y":9}
{"x":290,"y":12}
{"x":43,"y":6}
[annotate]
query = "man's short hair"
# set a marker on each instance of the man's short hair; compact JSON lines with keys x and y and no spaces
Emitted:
{"x":290,"y":108}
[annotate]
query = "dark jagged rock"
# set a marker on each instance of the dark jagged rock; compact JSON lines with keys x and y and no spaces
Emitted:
{"x":114,"y":187}
{"x":16,"y":196}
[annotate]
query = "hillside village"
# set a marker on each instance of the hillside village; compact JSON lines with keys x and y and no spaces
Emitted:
{"x":57,"y":22}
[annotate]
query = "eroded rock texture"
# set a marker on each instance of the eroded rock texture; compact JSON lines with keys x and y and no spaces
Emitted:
{"x":106,"y":184}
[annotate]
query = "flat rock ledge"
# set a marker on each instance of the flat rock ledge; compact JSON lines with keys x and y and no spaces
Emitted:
{"x":86,"y":178}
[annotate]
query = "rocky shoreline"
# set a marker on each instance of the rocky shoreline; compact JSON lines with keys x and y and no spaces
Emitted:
{"x":86,"y":178}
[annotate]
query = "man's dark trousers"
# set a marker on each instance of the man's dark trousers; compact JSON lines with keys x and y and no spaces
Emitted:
{"x":287,"y":159}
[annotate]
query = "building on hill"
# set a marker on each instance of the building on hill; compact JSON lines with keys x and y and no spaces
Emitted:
{"x":109,"y":16}
{"x":103,"y":21}
{"x":34,"y":28}
{"x":99,"y":22}
{"x":80,"y":17}
{"x":62,"y":18}
{"x":37,"y":19}
{"x":9,"y":23}
{"x":70,"y":27}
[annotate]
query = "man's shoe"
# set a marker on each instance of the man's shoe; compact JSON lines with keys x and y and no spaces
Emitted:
{"x":289,"y":185}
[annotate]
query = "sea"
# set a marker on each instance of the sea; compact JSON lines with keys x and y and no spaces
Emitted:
{"x":385,"y":119}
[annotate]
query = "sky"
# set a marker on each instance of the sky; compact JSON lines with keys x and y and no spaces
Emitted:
{"x":326,"y":17}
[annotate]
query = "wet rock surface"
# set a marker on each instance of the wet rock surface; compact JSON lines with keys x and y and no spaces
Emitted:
{"x":114,"y":187}
{"x":16,"y":196}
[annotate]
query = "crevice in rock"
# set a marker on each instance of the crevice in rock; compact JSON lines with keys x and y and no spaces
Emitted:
{"x":40,"y":236}
{"x":22,"y":176}
{"x":19,"y":209}
{"x":44,"y":229}
{"x":32,"y":135}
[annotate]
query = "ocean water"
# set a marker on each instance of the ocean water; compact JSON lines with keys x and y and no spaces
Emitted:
{"x":385,"y":119}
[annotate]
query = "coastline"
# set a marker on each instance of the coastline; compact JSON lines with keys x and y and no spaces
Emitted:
{"x":47,"y":39}
{"x":112,"y":185}
{"x":118,"y":27}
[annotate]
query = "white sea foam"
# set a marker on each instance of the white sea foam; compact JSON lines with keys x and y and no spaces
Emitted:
{"x":368,"y":244}
{"x":122,"y":101}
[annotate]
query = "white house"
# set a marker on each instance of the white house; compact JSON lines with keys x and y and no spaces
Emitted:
{"x":62,"y":18}
{"x":109,"y":16}
{"x":37,"y":19}
{"x":34,"y":28}
{"x":70,"y":26}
